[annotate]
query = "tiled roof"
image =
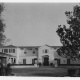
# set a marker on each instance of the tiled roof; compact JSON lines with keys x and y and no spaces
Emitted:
{"x":9,"y":46}
{"x":53,"y":46}
{"x":28,"y":47}
{"x":22,"y":47}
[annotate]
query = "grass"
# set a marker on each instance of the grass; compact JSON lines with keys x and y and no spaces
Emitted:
{"x":42,"y":71}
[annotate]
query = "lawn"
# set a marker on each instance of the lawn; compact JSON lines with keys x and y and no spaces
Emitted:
{"x":42,"y":71}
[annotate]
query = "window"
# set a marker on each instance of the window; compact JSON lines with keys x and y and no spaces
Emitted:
{"x":68,"y":61}
{"x":58,"y":61}
{"x":13,"y":50}
{"x":29,"y":48}
{"x":5,"y":50}
{"x":46,"y":51}
{"x":14,"y":60}
{"x":9,"y":50}
{"x":25,"y":52}
{"x":2,"y":50}
{"x":33,"y":52}
{"x":24,"y":61}
{"x":34,"y":60}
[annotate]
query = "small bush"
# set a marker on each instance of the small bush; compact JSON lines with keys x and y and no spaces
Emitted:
{"x":51,"y":64}
{"x":8,"y":70}
{"x":71,"y":72}
{"x":39,"y":64}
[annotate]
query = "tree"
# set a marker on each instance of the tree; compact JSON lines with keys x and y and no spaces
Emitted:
{"x":2,"y":26}
{"x":70,"y":36}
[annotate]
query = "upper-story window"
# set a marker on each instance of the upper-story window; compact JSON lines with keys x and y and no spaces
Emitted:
{"x":29,"y":48}
{"x":33,"y":52}
{"x":5,"y":50}
{"x":25,"y":52}
{"x":13,"y":50}
{"x":46,"y":51}
{"x":9,"y":50}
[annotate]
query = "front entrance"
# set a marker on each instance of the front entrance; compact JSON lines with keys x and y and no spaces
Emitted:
{"x":46,"y":60}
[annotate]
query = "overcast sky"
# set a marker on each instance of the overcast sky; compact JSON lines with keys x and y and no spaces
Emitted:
{"x":35,"y":24}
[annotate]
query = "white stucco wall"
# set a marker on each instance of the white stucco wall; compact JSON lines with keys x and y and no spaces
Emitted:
{"x":18,"y":54}
{"x":41,"y":53}
{"x":13,"y":55}
{"x":28,"y":59}
{"x":52,"y":55}
{"x":28,"y":56}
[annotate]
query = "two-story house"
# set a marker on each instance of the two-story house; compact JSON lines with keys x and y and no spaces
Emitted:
{"x":31,"y":55}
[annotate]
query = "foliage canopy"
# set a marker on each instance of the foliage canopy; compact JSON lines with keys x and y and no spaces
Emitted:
{"x":70,"y":36}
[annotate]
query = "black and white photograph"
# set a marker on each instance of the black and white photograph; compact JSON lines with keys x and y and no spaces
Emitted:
{"x":39,"y":39}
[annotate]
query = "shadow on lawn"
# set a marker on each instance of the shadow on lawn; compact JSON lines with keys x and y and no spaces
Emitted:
{"x":41,"y":72}
{"x":48,"y":75}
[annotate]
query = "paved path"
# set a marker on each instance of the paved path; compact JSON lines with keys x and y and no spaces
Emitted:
{"x":42,"y":71}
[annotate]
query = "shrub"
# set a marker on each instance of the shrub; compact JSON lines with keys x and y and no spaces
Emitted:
{"x":71,"y":72}
{"x":39,"y":64}
{"x":51,"y":64}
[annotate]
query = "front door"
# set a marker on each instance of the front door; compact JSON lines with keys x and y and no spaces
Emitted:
{"x":46,"y":61}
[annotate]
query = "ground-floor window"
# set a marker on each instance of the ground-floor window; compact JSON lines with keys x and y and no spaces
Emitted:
{"x":34,"y":61}
{"x":24,"y":61}
{"x":68,"y":61}
{"x":58,"y":60}
{"x":14,"y":60}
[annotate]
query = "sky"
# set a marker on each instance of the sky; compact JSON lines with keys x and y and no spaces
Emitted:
{"x":35,"y":24}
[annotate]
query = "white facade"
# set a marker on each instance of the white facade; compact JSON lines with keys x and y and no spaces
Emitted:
{"x":33,"y":55}
{"x":27,"y":55}
{"x":44,"y":51}
{"x":11,"y":51}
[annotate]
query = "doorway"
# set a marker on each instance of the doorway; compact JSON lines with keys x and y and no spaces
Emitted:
{"x":46,"y":61}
